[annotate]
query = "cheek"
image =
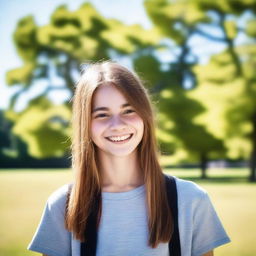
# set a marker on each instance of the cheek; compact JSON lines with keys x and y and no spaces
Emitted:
{"x":96,"y":128}
{"x":137,"y":122}
{"x":141,"y":124}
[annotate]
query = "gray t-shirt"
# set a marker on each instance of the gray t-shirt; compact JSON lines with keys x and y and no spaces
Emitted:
{"x":123,"y":229}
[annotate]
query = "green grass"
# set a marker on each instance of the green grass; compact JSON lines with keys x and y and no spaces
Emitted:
{"x":23,"y":195}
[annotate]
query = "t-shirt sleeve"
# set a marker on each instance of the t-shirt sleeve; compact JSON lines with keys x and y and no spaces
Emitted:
{"x":208,"y":232}
{"x":51,"y":237}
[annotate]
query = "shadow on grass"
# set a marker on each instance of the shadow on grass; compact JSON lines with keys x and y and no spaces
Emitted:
{"x":217,"y":180}
{"x":228,"y":176}
{"x":214,"y":176}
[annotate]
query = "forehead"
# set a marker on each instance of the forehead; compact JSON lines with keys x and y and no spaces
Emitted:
{"x":108,"y":96}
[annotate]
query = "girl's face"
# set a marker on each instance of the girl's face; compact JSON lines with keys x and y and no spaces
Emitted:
{"x":116,"y":128}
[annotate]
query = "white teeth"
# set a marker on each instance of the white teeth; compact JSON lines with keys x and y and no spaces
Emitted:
{"x":119,"y":138}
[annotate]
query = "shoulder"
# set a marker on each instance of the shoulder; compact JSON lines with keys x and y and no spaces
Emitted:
{"x":190,"y":188}
{"x":189,"y":192}
{"x":58,"y":198}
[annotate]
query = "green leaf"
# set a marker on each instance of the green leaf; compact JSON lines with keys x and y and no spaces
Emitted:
{"x":44,"y":127}
{"x":22,"y":75}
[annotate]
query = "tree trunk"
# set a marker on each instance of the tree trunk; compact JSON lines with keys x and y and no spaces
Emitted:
{"x":252,"y":177}
{"x":203,"y":166}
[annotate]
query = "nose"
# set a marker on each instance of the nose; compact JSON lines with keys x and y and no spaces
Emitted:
{"x":117,"y":123}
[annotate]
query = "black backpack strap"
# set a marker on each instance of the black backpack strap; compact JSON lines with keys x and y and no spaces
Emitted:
{"x":88,"y":248}
{"x":90,"y":234}
{"x":171,"y":189}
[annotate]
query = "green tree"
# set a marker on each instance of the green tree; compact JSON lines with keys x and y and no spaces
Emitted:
{"x":178,"y":22}
{"x":5,"y":141}
{"x":55,"y":51}
{"x":231,"y":103}
{"x":177,"y":111}
{"x":231,"y":72}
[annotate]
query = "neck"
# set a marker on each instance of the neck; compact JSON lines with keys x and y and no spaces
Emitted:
{"x":120,"y":174}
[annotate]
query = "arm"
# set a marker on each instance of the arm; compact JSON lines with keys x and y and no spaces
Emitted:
{"x":210,"y":253}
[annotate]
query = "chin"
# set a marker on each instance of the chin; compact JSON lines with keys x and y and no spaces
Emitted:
{"x":121,"y":153}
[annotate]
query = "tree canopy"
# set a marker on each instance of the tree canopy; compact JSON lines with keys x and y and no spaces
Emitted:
{"x":206,"y":109}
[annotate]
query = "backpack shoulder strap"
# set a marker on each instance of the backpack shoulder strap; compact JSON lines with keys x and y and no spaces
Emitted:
{"x":174,"y":245}
{"x":90,"y":233}
{"x":89,"y":247}
{"x":171,"y":189}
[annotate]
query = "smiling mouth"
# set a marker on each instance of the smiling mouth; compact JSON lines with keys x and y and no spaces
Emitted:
{"x":120,"y":139}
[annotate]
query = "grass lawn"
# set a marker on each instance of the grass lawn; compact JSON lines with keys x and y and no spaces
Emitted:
{"x":23,"y":194}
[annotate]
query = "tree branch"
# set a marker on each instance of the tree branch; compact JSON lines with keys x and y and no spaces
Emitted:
{"x":209,"y":36}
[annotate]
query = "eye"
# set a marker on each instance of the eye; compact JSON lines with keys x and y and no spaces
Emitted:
{"x":100,"y":115}
{"x":128,"y":111}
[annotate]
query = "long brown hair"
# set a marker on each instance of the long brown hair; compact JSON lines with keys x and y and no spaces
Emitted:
{"x":87,"y":184}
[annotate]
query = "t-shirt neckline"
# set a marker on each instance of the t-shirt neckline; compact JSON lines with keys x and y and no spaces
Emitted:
{"x":124,"y":195}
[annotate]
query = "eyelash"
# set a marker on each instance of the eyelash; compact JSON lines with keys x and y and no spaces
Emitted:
{"x":131,"y":110}
{"x":103,"y":115}
{"x":100,"y":115}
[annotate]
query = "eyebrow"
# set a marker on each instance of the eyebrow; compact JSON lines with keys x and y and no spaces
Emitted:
{"x":105,"y":108}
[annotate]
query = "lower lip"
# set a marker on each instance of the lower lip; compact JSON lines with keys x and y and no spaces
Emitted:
{"x":122,"y":141}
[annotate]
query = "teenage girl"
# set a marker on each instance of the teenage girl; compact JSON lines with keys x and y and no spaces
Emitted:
{"x":115,"y":161}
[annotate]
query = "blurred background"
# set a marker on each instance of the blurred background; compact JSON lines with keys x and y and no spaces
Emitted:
{"x":196,"y":57}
